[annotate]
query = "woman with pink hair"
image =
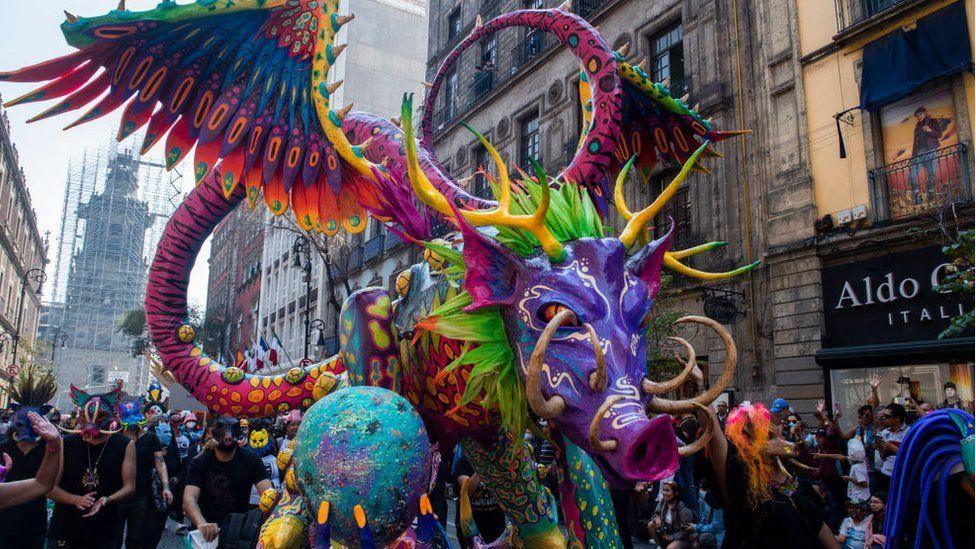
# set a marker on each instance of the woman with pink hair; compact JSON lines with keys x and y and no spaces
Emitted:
{"x":764,"y":504}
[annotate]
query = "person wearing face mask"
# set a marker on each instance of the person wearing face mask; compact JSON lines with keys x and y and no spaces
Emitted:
{"x":219,"y":480}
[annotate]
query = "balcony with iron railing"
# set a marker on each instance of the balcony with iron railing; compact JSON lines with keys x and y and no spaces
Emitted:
{"x":853,"y":12}
{"x":373,"y":248}
{"x":921,"y":184}
{"x":516,"y":50}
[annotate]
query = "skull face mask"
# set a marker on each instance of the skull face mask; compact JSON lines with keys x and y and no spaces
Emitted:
{"x":97,"y":414}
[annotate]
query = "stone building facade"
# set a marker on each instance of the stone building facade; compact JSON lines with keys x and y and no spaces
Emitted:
{"x":791,"y":72}
{"x":21,"y":249}
{"x":740,"y":61}
{"x":386,"y":56}
{"x":234,"y":279}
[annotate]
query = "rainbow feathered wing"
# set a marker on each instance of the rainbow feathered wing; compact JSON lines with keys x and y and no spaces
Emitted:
{"x":243,"y":82}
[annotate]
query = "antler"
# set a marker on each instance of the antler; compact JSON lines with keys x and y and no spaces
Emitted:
{"x":636,"y":223}
{"x":534,"y":223}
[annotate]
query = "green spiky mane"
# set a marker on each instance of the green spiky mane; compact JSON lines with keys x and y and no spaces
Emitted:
{"x":494,"y":375}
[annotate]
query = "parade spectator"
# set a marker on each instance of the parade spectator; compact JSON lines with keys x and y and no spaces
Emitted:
{"x":99,"y":473}
{"x":778,"y":412}
{"x":722,"y":409}
{"x":877,"y":507}
{"x":857,"y":479}
{"x":856,"y":527}
{"x":292,"y":422}
{"x":830,"y":442}
{"x":669,"y":524}
{"x":485,"y":510}
{"x":219,"y":480}
{"x":893,"y":418}
{"x":709,"y":531}
{"x":23,"y":491}
{"x":138,"y":512}
{"x":764,"y":506}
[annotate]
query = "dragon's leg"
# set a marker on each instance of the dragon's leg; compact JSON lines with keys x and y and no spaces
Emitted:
{"x":368,"y":345}
{"x":507,"y":469}
{"x":287,"y":525}
{"x":585,"y":500}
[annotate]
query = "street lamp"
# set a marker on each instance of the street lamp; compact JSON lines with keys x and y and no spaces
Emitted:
{"x":319,"y":324}
{"x":36,"y":277}
{"x":60,"y":339}
{"x":301,"y":251}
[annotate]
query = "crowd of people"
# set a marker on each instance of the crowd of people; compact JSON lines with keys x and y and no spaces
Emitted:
{"x":769,"y":479}
{"x":117,"y":481}
{"x":772,"y":480}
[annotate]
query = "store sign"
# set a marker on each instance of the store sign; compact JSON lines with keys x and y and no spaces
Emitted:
{"x":888,"y":299}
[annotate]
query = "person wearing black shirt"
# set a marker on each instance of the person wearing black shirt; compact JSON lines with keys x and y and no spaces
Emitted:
{"x":779,"y":513}
{"x":138,"y":513}
{"x":98,"y":474}
{"x":219,"y":480}
{"x":35,"y":466}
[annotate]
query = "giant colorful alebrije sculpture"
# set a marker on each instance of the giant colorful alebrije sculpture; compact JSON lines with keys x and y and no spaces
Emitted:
{"x":529,"y":311}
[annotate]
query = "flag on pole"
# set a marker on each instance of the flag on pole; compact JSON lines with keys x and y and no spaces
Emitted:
{"x":275,"y":349}
{"x":266,"y":351}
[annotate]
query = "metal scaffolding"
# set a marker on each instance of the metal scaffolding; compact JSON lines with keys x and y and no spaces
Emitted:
{"x":116,"y":205}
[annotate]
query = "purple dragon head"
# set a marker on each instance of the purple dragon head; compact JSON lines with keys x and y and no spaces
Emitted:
{"x":575,"y":307}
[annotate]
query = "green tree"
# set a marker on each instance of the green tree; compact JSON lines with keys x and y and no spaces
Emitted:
{"x":661,"y":363}
{"x":208,"y":328}
{"x":959,"y":280}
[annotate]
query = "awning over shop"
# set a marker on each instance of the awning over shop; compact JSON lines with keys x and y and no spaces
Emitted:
{"x":889,"y":354}
{"x":898,"y":63}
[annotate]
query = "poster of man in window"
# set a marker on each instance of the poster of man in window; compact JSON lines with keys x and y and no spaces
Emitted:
{"x":919,"y":137}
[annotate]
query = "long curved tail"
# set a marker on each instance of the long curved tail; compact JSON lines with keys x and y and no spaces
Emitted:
{"x":223,"y":389}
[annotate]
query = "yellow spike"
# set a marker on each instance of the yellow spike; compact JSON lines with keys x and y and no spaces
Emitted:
{"x":428,"y":85}
{"x":618,"y":190}
{"x":622,"y":50}
{"x":395,"y":121}
{"x":643,"y":64}
{"x":341,"y":113}
{"x":121,"y":6}
{"x":365,"y":144}
{"x":360,"y":516}
{"x":685,"y":98}
{"x":323,"y":516}
{"x":331,"y":88}
{"x":566,"y":6}
{"x":478,"y":22}
{"x":671,"y":263}
{"x":667,"y":82}
{"x":696,"y":107}
{"x":72,"y":18}
{"x":336,"y":51}
{"x":343,"y":19}
{"x":637,"y":222}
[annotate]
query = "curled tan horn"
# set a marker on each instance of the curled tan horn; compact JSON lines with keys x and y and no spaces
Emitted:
{"x":660,"y":388}
{"x":598,"y":378}
{"x":595,"y":440}
{"x":543,"y":407}
{"x":686,"y":450}
{"x":663,"y":405}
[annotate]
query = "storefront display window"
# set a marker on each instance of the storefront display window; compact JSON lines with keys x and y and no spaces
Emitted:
{"x":921,"y":383}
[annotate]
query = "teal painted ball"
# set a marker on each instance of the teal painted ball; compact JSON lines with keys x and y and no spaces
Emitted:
{"x":364,"y":446}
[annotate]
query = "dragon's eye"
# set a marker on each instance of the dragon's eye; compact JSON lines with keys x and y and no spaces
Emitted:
{"x":549,"y":311}
{"x":647,"y":320}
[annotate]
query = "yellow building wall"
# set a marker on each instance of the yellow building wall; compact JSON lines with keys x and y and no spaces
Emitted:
{"x":830,"y":87}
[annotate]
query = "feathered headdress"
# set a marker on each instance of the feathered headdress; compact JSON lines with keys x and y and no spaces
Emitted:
{"x":30,"y":393}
